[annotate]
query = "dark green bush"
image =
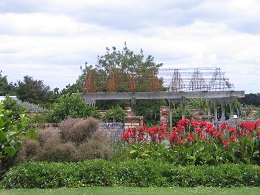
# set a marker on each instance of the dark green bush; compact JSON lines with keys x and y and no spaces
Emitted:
{"x":114,"y":113}
{"x":13,"y":105}
{"x":141,"y":173}
{"x":68,"y":105}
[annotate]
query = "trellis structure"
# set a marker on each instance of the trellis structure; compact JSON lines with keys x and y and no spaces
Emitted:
{"x":196,"y":79}
{"x":209,"y":83}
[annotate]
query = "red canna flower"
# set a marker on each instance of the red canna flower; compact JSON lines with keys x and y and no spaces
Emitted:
{"x":233,"y":138}
{"x":203,"y":138}
{"x":151,"y":131}
{"x":223,"y":126}
{"x":195,"y":124}
{"x":218,"y":134}
{"x":210,"y":128}
{"x":232,"y":130}
{"x":190,"y":137}
{"x":180,"y":142}
{"x":225,"y":142}
{"x":199,"y":131}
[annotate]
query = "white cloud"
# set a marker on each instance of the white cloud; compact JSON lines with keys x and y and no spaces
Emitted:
{"x":50,"y":40}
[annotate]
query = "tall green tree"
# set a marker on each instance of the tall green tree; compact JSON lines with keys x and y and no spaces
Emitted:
{"x":124,"y":64}
{"x":5,"y":87}
{"x":34,"y":91}
{"x":127,"y":65}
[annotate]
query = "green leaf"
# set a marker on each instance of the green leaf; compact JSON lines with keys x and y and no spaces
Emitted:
{"x":17,"y":145}
{"x":31,"y":134}
{"x":10,"y":151}
{"x":145,"y":155}
{"x":2,"y":135}
{"x":132,"y":151}
{"x":1,"y":123}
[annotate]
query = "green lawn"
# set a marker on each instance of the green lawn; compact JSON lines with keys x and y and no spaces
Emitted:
{"x":133,"y":191}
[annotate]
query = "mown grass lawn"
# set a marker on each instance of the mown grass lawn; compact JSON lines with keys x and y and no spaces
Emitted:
{"x":133,"y":191}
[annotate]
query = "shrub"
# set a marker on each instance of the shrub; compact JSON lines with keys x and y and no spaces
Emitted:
{"x":75,"y":140}
{"x":13,"y":105}
{"x":96,"y":147}
{"x":28,"y":150}
{"x":54,"y":151}
{"x":10,"y":130}
{"x":177,"y":114}
{"x":70,"y":106}
{"x":46,"y":134}
{"x":139,"y":173}
{"x":32,"y":107}
{"x":78,"y":130}
{"x":115,"y":113}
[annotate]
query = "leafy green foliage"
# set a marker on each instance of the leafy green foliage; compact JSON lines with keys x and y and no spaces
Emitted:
{"x":9,"y":132}
{"x":150,"y":110}
{"x":123,"y":64}
{"x":13,"y":105}
{"x":132,"y":173}
{"x":68,"y":105}
{"x":177,"y":114}
{"x":114,"y":113}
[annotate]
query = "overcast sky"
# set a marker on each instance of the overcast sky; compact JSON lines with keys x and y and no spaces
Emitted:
{"x":50,"y":39}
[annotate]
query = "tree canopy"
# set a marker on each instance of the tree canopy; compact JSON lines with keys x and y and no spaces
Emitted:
{"x":251,"y":99}
{"x":5,"y":87}
{"x":68,"y":105}
{"x":34,"y":91}
{"x":118,"y":70}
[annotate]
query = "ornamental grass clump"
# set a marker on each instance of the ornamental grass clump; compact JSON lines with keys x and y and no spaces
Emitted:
{"x":56,"y":151}
{"x":96,"y":147}
{"x":75,"y":140}
{"x":78,"y":130}
{"x":46,"y":134}
{"x":28,"y":151}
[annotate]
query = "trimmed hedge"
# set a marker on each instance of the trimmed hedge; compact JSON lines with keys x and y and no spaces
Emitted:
{"x":141,"y":173}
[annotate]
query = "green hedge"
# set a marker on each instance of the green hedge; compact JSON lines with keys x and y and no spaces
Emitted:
{"x":141,"y":173}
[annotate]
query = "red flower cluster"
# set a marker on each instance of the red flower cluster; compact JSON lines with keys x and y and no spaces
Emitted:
{"x":247,"y":127}
{"x":140,"y":134}
{"x":156,"y":133}
{"x":192,"y":131}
